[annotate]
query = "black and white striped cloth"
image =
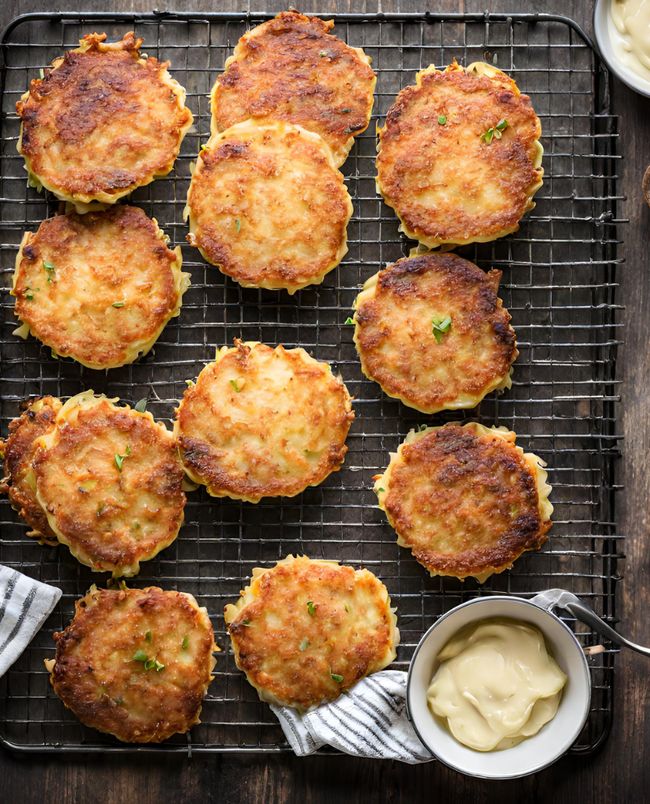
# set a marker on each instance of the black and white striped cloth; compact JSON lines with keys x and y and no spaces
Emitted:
{"x":25,"y":604}
{"x":368,"y":721}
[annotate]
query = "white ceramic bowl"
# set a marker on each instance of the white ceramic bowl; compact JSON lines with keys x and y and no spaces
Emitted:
{"x":603,"y":32}
{"x":532,"y":754}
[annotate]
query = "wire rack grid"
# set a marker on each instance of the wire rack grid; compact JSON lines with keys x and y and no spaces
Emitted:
{"x":559,"y":282}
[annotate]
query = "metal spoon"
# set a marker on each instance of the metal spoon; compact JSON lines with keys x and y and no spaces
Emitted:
{"x":581,"y":611}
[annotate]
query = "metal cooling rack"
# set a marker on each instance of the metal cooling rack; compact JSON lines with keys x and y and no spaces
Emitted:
{"x":559,"y":283}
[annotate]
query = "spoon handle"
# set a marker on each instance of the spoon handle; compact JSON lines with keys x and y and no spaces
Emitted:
{"x":588,"y":616}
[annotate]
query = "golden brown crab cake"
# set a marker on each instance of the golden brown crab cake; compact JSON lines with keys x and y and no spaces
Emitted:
{"x":110,"y":482}
{"x":18,"y":451}
{"x":306,"y":630}
{"x":135,"y":663}
{"x":267,"y":206}
{"x":102,"y":121}
{"x":291,"y":68}
{"x":459,"y":156}
{"x":98,"y":287}
{"x":263,"y":422}
{"x":431,"y":330}
{"x":465,"y":499}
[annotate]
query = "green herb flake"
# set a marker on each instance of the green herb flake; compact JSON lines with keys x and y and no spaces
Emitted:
{"x":148,"y":636}
{"x":158,"y":665}
{"x":336,"y":677}
{"x":246,"y":623}
{"x":440,"y":327}
{"x":380,"y":491}
{"x":311,"y":608}
{"x":442,"y":119}
{"x":140,"y":656}
{"x":185,"y":643}
{"x":421,"y":428}
{"x":347,"y":608}
{"x":349,"y":320}
{"x":150,"y":664}
{"x":322,"y":54}
{"x":496,"y":132}
{"x":101,"y":508}
{"x":141,"y":405}
{"x":303,"y":645}
{"x":118,"y":303}
{"x":234,"y":385}
{"x":346,"y":111}
{"x":119,"y":459}
{"x":190,"y":383}
{"x":123,"y":586}
{"x":29,"y":294}
{"x":237,"y":225}
{"x":50,"y":270}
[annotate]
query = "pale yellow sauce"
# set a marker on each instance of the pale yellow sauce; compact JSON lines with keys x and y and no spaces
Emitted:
{"x":496,"y":684}
{"x":630,"y":34}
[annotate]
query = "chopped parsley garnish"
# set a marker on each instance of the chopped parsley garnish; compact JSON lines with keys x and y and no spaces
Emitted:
{"x":234,"y":384}
{"x":29,"y":294}
{"x":346,"y":111}
{"x":421,"y":428}
{"x":148,"y":663}
{"x":190,"y":383}
{"x":349,"y":320}
{"x":237,"y":225}
{"x":148,"y":636}
{"x":496,"y":132}
{"x":440,"y":326}
{"x":311,"y":608}
{"x":336,"y":677}
{"x":442,"y":119}
{"x":380,"y":491}
{"x":50,"y":269}
{"x":141,"y":405}
{"x":322,"y":54}
{"x":303,"y":645}
{"x":347,"y":608}
{"x":246,"y":623}
{"x":118,"y":303}
{"x":119,"y":459}
{"x":140,"y":656}
{"x":185,"y":643}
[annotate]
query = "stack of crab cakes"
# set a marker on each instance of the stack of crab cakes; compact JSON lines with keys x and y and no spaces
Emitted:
{"x":267,"y":204}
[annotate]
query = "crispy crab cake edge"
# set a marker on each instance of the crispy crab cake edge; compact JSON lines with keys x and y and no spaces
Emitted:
{"x":86,"y":400}
{"x":369,"y":293}
{"x":432,"y":242}
{"x":140,"y":348}
{"x":534,"y":464}
{"x":95,"y":41}
{"x":234,"y":616}
{"x":36,"y":412}
{"x":85,"y":606}
{"x":280,"y":128}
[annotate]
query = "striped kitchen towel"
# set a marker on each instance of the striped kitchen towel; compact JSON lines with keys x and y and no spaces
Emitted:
{"x":25,"y":604}
{"x":368,"y":721}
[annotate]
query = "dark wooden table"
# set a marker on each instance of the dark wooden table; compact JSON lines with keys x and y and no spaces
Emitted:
{"x":621,"y":771}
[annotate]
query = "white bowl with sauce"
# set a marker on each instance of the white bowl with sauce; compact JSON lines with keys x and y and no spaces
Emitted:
{"x":533,"y":753}
{"x":612,"y":43}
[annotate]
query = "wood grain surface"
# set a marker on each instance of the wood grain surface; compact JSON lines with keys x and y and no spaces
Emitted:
{"x":620,"y":772}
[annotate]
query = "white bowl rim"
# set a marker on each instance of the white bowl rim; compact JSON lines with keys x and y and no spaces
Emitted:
{"x":637,"y":83}
{"x":517,"y":601}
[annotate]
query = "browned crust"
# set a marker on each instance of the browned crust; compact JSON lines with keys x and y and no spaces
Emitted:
{"x":18,"y":450}
{"x":328,"y":399}
{"x":480,"y":489}
{"x":412,"y":146}
{"x":93,"y":523}
{"x":451,"y":283}
{"x":134,"y":704}
{"x":107,"y":89}
{"x":270,"y":655}
{"x":109,"y":333}
{"x":226,"y":222}
{"x":291,"y":68}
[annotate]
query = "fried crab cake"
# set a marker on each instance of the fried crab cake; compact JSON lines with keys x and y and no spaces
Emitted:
{"x":432,"y":332}
{"x":459,"y":156}
{"x":306,"y":630}
{"x":465,"y":499}
{"x":110,"y":482}
{"x":135,"y":663}
{"x":102,"y":121}
{"x":267,"y":205}
{"x":263,"y":422}
{"x":98,"y":287}
{"x":291,"y":68}
{"x":18,"y":451}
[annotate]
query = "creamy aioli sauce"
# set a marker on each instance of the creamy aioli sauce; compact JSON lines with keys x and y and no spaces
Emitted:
{"x":496,"y":684}
{"x":630,"y":34}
